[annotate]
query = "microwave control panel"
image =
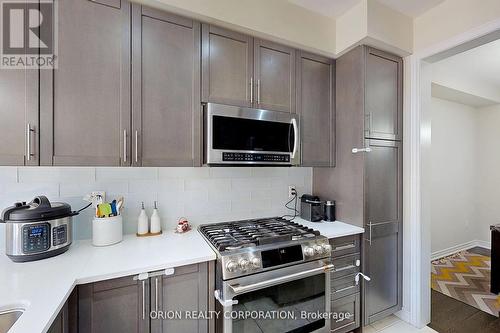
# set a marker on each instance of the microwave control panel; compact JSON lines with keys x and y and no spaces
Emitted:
{"x":255,"y":157}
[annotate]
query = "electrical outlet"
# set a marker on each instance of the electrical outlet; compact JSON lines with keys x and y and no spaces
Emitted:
{"x":95,"y":194}
{"x":292,"y":191}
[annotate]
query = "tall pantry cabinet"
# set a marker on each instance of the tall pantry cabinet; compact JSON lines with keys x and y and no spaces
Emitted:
{"x":367,"y":180}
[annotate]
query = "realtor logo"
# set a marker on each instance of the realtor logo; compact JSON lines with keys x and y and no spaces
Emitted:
{"x":29,"y":34}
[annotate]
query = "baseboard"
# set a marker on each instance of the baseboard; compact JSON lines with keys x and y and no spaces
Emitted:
{"x":460,"y":247}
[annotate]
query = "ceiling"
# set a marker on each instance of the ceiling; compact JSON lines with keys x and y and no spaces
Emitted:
{"x":476,"y":71}
{"x":335,"y":8}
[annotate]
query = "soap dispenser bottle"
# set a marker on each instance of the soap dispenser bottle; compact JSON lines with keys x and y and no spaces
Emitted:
{"x":142,"y":222}
{"x":155,"y":221}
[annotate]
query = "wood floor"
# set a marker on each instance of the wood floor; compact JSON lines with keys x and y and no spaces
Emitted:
{"x":449,"y":315}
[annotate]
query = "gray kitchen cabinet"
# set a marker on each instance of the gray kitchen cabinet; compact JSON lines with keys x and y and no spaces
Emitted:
{"x":67,"y":319}
{"x":383,"y":95}
{"x":315,"y":104}
{"x":242,"y":71}
{"x":227,"y":67}
{"x":367,"y":185}
{"x":166,"y":105}
{"x":19,"y":127}
{"x":136,"y":303}
{"x":184,"y":290}
{"x":85,"y":101}
{"x":383,"y":245}
{"x":118,"y":305}
{"x":274,"y":75}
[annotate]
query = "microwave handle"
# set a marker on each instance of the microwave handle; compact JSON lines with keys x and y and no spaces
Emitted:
{"x":295,"y":137}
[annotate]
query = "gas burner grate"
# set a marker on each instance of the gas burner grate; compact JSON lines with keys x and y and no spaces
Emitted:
{"x":229,"y":236}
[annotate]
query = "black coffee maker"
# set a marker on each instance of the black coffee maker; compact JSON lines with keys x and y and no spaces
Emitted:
{"x":311,"y":208}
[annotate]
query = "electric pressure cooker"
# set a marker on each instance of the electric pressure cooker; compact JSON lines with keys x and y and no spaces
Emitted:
{"x":37,"y":230}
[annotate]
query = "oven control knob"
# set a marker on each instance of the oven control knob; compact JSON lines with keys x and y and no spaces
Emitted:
{"x":244,"y":264}
{"x":309,"y":251}
{"x":318,"y":249}
{"x":327,"y":248}
{"x":255,"y":262}
{"x":231,"y":266}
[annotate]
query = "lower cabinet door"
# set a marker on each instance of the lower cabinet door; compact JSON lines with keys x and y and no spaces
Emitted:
{"x":345,"y":314}
{"x":177,"y":299}
{"x":118,"y":305}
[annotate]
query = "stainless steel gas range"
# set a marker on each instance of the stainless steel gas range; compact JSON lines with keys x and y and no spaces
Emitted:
{"x":272,"y":275}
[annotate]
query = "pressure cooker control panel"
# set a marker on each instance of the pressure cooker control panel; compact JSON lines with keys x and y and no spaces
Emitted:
{"x":36,"y":237}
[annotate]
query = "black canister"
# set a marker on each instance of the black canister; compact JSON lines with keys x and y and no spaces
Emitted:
{"x":330,"y":211}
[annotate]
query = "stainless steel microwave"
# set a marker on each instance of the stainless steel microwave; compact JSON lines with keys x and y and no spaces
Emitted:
{"x":237,"y":135}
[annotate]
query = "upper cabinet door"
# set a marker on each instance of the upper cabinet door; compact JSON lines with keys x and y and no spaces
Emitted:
{"x":274,"y":76}
{"x":315,"y":104}
{"x":227,"y":67}
{"x":85,"y":102}
{"x":165,"y":89}
{"x":19,"y":130}
{"x":384,"y":101}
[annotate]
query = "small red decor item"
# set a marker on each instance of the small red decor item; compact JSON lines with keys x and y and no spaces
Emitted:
{"x":182,"y":226}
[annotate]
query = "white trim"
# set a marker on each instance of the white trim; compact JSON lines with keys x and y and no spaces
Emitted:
{"x":417,"y":231}
{"x":460,"y":247}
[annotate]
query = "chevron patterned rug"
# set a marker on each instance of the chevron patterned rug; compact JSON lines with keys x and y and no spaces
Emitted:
{"x":465,"y":276}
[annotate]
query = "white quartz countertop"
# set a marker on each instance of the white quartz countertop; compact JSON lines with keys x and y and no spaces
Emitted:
{"x":42,"y":287}
{"x":332,"y":229}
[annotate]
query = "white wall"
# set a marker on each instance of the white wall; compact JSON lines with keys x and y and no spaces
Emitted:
{"x":489,"y":170}
{"x":203,"y":195}
{"x":454,"y":174}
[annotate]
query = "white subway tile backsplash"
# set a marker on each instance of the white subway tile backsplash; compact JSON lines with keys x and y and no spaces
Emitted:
{"x":8,"y":175}
{"x":203,"y":195}
{"x":227,"y":172}
{"x":185,"y":173}
{"x":114,"y":173}
{"x":50,"y":174}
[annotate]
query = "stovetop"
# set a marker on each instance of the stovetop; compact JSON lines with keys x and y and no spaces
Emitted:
{"x":230,"y":236}
{"x":254,"y":246}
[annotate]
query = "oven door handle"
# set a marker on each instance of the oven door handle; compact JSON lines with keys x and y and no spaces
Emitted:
{"x":295,"y":137}
{"x":239,"y":289}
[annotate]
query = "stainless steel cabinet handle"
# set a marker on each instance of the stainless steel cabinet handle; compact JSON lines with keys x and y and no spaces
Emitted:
{"x":136,"y":145}
{"x":361,"y":150}
{"x":344,"y":247}
{"x":238,"y":289}
{"x":156,"y":294}
{"x":258,"y":91}
{"x":29,"y":154}
{"x":143,"y":299}
{"x":344,"y":268}
{"x":251,"y":90}
{"x":124,"y":145}
{"x":370,"y":233}
{"x":343,"y":289}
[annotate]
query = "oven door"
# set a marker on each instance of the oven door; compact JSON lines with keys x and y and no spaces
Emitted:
{"x":292,"y":299}
{"x":236,"y":135}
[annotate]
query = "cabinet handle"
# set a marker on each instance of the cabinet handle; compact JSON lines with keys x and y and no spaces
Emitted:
{"x":136,"y":145}
{"x":345,"y":247}
{"x":361,"y":150}
{"x":251,"y":90}
{"x":124,"y":145}
{"x":369,"y":233}
{"x":156,"y":295}
{"x":29,"y":154}
{"x":143,"y":299}
{"x":258,"y":91}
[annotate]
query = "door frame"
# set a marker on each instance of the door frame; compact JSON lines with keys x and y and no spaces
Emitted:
{"x":416,"y":167}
